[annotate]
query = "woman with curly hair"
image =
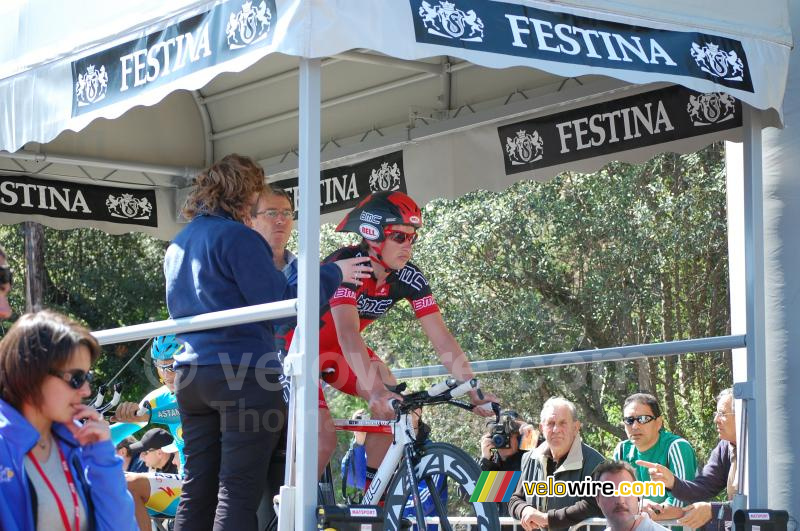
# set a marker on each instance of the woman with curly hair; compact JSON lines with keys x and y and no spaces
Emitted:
{"x":227,"y":379}
{"x":58,"y":466}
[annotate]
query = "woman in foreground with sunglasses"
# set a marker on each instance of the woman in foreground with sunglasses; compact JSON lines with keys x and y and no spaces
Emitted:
{"x":58,"y":467}
{"x":387,"y":223}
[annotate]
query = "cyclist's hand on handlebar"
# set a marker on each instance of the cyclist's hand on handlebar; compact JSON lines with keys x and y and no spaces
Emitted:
{"x":476,"y":401}
{"x":354,"y":269}
{"x":380,"y":404}
{"x":126,"y":412}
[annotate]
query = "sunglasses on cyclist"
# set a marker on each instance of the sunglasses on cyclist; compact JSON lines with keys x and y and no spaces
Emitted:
{"x":167,"y":367}
{"x":401,"y":237}
{"x":74,"y":378}
{"x":6,"y":277}
{"x":641,"y":419}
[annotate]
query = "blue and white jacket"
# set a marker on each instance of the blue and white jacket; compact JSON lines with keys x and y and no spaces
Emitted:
{"x":96,"y":468}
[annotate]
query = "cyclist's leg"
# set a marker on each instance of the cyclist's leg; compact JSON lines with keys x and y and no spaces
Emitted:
{"x":139,"y":487}
{"x":377,"y":444}
{"x":327,"y":435}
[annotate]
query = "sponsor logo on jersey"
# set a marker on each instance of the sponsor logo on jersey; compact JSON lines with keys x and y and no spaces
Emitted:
{"x":424,"y":302}
{"x":344,"y":293}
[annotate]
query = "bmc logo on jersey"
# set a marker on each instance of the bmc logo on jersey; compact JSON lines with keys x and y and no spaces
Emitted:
{"x":370,"y":232}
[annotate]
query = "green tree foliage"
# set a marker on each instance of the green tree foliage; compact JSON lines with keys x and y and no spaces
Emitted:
{"x":103,"y":281}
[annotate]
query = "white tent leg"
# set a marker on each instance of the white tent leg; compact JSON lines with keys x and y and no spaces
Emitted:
{"x":754,"y":391}
{"x":308,"y":295}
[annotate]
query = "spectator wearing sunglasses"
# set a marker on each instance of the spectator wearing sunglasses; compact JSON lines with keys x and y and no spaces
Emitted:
{"x":161,"y":407}
{"x":6,"y":281}
{"x":648,"y":441}
{"x":58,"y":466}
{"x":387,"y":223}
{"x":227,"y":378}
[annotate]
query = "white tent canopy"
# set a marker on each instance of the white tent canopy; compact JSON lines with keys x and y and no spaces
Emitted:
{"x":437,"y":97}
{"x":177,"y":70}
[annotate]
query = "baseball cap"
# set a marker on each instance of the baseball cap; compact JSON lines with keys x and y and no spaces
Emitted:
{"x":151,"y":440}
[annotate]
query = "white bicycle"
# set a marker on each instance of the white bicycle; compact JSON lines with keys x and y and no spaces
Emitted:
{"x":412,"y":460}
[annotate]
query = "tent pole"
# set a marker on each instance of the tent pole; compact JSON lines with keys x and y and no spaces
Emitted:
{"x":305,"y":383}
{"x":753,"y":391}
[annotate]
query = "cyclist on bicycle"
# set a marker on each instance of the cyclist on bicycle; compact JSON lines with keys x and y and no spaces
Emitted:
{"x":387,"y":223}
{"x":155,"y":493}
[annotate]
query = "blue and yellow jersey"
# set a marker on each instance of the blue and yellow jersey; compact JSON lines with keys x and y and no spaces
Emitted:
{"x":164,"y":411}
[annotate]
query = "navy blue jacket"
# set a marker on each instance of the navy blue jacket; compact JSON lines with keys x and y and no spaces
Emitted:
{"x":95,"y":467}
{"x":217,"y":263}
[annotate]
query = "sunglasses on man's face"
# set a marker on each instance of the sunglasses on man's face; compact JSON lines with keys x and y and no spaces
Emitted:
{"x":400,"y":237}
{"x":5,"y":275}
{"x":641,"y":419}
{"x":74,"y":378}
{"x":166,"y":367}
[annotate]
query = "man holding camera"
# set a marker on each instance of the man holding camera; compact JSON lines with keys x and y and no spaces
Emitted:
{"x":563,"y":456}
{"x":500,"y":446}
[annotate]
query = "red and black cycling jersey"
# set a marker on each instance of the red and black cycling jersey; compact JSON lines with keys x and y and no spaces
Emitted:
{"x":373,"y":302}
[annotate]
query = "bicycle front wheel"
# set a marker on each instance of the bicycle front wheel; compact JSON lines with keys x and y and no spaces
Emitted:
{"x":447,"y":477}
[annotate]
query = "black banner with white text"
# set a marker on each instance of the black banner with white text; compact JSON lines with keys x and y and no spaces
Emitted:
{"x":618,"y":125}
{"x":343,"y":187}
{"x":62,"y":199}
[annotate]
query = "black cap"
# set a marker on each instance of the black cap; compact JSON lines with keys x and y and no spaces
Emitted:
{"x":151,"y":440}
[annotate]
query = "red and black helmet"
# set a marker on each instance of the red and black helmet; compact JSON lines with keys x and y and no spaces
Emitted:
{"x":379,"y":210}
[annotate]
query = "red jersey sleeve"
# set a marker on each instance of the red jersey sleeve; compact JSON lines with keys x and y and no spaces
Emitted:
{"x":343,"y":295}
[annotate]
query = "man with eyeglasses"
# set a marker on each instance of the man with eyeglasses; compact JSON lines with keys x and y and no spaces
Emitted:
{"x":273,"y":218}
{"x":387,"y":223}
{"x":649,"y":441}
{"x":718,"y":475}
{"x":155,"y":493}
{"x":6,"y":280}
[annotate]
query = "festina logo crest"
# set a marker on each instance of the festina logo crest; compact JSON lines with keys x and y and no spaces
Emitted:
{"x":385,"y":179}
{"x":248,"y":25}
{"x":712,"y":108}
{"x":718,"y":63}
{"x":91,"y":86}
{"x":524,"y":148}
{"x":129,"y":207}
{"x":445,"y":20}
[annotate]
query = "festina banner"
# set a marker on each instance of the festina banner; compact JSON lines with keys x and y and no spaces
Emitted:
{"x":618,"y":125}
{"x":344,"y":187}
{"x":225,"y":31}
{"x":61,"y":199}
{"x":513,"y":29}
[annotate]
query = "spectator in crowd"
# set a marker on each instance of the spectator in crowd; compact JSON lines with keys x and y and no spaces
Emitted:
{"x":6,"y":280}
{"x":562,"y":455}
{"x":231,"y":426}
{"x":649,"y":441}
{"x":508,"y":432}
{"x":58,"y":466}
{"x":130,"y":461}
{"x":718,"y":475}
{"x":157,"y":449}
{"x":622,"y":512}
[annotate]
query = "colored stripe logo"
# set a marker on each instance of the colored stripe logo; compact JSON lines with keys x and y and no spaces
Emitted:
{"x":495,"y":487}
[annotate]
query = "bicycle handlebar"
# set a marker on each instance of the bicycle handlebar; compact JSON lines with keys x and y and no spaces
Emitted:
{"x":444,"y":393}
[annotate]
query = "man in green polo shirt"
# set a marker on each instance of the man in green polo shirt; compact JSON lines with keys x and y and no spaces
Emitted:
{"x":649,"y":441}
